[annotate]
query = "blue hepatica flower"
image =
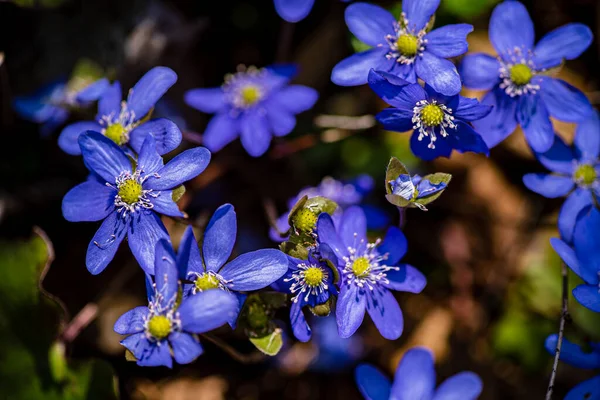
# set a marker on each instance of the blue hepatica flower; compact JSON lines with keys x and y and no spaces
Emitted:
{"x":310,"y":282}
{"x":210,"y":270}
{"x":572,"y":168}
{"x":293,"y":10}
{"x":403,"y":48}
{"x":50,"y":106}
{"x":368,"y":272}
{"x":584,"y":257}
{"x":164,"y":327}
{"x":518,"y":87}
{"x":124,"y":122}
{"x":440,"y":123}
{"x":415,"y":188}
{"x":128,"y":200}
{"x":254,"y":104}
{"x":415,"y":379}
{"x":574,"y":355}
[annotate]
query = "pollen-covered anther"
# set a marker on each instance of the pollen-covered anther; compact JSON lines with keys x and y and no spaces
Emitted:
{"x":159,"y":327}
{"x":130,"y":191}
{"x":366,"y":266}
{"x":431,"y":119}
{"x":117,"y":127}
{"x":313,"y":276}
{"x":432,"y":115}
{"x":308,"y":278}
{"x":517,"y":72}
{"x":521,"y":74}
{"x":360,"y":266}
{"x":305,"y":220}
{"x":116,"y":133}
{"x":206,"y":282}
{"x":585,"y":175}
{"x":250,"y":94}
{"x":408,"y":45}
{"x":131,"y":195}
{"x":405,"y":44}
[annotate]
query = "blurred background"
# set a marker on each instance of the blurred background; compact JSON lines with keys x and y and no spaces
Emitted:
{"x":494,"y":285}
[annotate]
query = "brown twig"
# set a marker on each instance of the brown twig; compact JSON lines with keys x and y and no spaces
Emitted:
{"x":252,"y":358}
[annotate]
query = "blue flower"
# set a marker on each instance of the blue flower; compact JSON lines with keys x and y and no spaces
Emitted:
{"x":574,"y":355}
{"x":310,"y":282}
{"x":519,"y":87}
{"x":50,"y":106}
{"x":254,"y":104}
{"x":293,"y":10}
{"x":414,"y":188}
{"x":415,"y":379}
{"x":334,"y":353}
{"x":368,"y":272}
{"x":128,"y":199}
{"x":405,"y":48}
{"x":440,"y":123}
{"x":164,"y":327}
{"x":584,"y":257}
{"x":124,"y":122}
{"x":577,"y":167}
{"x":210,"y":270}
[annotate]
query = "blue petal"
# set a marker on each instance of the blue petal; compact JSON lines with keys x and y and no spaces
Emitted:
{"x":327,"y":234}
{"x":479,"y":71}
{"x":587,"y":138}
{"x":567,"y":254}
{"x":156,"y":355}
{"x":419,"y":12}
{"x":287,"y":71}
{"x":166,"y":133}
{"x":185,"y":347}
{"x":403,"y":71}
{"x":511,"y":28}
{"x":210,"y":100}
{"x":166,"y":274}
{"x":354,"y":70}
{"x":501,"y":121}
{"x":183,"y":167}
{"x":426,"y":188}
{"x":420,"y":148}
{"x":470,"y":109}
{"x":219,"y":237}
{"x":110,"y":101}
{"x":149,"y":89}
{"x":255,"y":270}
{"x":415,"y":376}
{"x":394,"y":119}
{"x":207,"y":310}
{"x":373,"y":385}
{"x":462,"y":386}
{"x":88,"y":201}
{"x":136,"y":343}
{"x":58,"y":117}
{"x":438,"y":73}
{"x":220,"y":131}
{"x":281,"y":121}
{"x":188,"y":255}
{"x":293,"y":10}
{"x":369,"y":23}
{"x":449,"y":41}
{"x":559,"y":158}
{"x":577,"y":201}
{"x":588,"y":296}
{"x":93,"y":91}
{"x":563,"y":101}
{"x":132,"y":321}
{"x":353,"y":228}
{"x":385,"y":313}
{"x":145,"y":231}
{"x":564,"y":43}
{"x":295,"y":98}
{"x":587,"y":390}
{"x":350,"y":310}
{"x":394,"y":245}
{"x":103,"y":156}
{"x":573,"y":354}
{"x":533,"y":116}
{"x":282,"y":226}
{"x":67,"y":140}
{"x":255,"y":135}
{"x":104,"y":244}
{"x":549,"y":186}
{"x":466,"y":139}
{"x":395,"y":91}
{"x":300,"y":327}
{"x":406,"y":279}
{"x":149,"y":160}
{"x":586,"y":237}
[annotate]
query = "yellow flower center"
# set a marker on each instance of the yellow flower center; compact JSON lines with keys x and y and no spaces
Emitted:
{"x":585,"y":174}
{"x":159,"y":327}
{"x":206,"y":282}
{"x":305,"y":220}
{"x":130,"y":191}
{"x":360,"y":266}
{"x":432,"y":115}
{"x":313,"y":276}
{"x":117,"y":133}
{"x":408,"y":45}
{"x":520,"y":74}
{"x":250,"y":95}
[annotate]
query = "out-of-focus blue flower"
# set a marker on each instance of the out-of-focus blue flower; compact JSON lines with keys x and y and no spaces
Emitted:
{"x":210,"y":270}
{"x":334,"y":353}
{"x":415,"y":187}
{"x":124,"y":122}
{"x":403,"y":48}
{"x":295,"y":10}
{"x":368,"y":271}
{"x":577,"y":167}
{"x":129,"y":200}
{"x":584,"y":257}
{"x":164,"y":327}
{"x":254,"y":104}
{"x":574,"y":355}
{"x":415,"y":379}
{"x":441,"y":123}
{"x":519,"y":88}
{"x":50,"y":106}
{"x":310,"y":282}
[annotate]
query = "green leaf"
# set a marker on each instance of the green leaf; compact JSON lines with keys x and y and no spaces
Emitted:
{"x":435,"y":179}
{"x":270,"y":344}
{"x":394,"y":169}
{"x":398,"y":201}
{"x":321,"y":204}
{"x":178,"y":193}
